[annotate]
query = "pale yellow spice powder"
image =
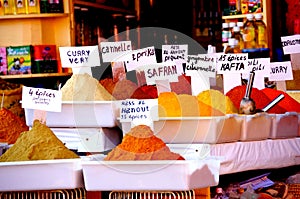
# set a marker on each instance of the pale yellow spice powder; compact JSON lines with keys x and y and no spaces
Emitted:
{"x":83,"y":87}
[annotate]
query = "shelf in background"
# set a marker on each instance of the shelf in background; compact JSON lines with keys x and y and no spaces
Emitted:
{"x":103,"y":7}
{"x":235,"y":16}
{"x":39,"y":75}
{"x":30,"y":16}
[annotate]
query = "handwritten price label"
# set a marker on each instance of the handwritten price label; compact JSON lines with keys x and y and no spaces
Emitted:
{"x":232,"y":63}
{"x":41,"y":99}
{"x":133,"y":110}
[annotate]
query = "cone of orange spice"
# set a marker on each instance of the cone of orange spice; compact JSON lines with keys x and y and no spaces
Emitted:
{"x":11,"y":126}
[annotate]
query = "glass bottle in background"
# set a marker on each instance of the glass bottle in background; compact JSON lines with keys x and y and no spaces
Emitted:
{"x":231,"y":25}
{"x":225,"y":32}
{"x":33,"y":6}
{"x":205,"y":24}
{"x":262,"y":36}
{"x":9,"y":7}
{"x":238,"y":6}
{"x":240,"y":24}
{"x":249,"y":35}
{"x":238,"y":36}
{"x":232,"y":46}
{"x":21,"y":6}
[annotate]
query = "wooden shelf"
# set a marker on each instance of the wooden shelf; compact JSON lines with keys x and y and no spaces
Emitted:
{"x":39,"y":75}
{"x":235,"y":16}
{"x":31,"y":16}
{"x":103,"y":7}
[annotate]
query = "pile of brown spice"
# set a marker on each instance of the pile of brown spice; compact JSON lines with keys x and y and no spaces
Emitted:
{"x":124,"y":89}
{"x":140,"y":143}
{"x":11,"y":126}
{"x":39,"y":143}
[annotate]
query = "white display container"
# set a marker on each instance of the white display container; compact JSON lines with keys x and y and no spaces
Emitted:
{"x":41,"y":175}
{"x":285,"y":125}
{"x":150,"y":175}
{"x":79,"y":114}
{"x":89,"y":139}
{"x":217,"y":129}
{"x":256,"y":127}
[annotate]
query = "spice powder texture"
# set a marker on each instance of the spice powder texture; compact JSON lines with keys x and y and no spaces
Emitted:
{"x":83,"y":87}
{"x":141,"y":144}
{"x":39,"y":143}
{"x":11,"y":126}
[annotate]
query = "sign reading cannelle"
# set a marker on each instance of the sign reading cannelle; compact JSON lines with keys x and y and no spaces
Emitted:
{"x":115,"y":51}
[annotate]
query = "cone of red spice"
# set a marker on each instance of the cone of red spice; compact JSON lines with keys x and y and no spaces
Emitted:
{"x":289,"y":103}
{"x":261,"y":99}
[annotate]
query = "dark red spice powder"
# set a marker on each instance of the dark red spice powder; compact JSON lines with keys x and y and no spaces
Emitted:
{"x":261,"y":99}
{"x":289,"y":103}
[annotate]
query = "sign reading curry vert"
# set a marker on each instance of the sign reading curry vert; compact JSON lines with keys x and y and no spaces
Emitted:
{"x":290,"y":44}
{"x":115,"y":51}
{"x":83,"y":56}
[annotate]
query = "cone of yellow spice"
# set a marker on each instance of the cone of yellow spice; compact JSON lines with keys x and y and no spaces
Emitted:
{"x":216,"y":99}
{"x":39,"y":143}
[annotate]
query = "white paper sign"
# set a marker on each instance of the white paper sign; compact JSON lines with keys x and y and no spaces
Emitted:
{"x":290,"y":44}
{"x":260,"y":66}
{"x":231,"y":80}
{"x":41,"y":99}
{"x":83,"y":56}
{"x":281,"y":71}
{"x":161,"y":71}
{"x":139,"y":111}
{"x":202,"y":63}
{"x":175,"y":53}
{"x":115,"y":51}
{"x":201,"y":68}
{"x":232,"y":63}
{"x":140,"y":57}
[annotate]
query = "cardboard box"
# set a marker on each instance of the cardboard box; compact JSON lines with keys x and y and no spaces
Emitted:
{"x":19,"y":60}
{"x":44,"y":59}
{"x":3,"y":61}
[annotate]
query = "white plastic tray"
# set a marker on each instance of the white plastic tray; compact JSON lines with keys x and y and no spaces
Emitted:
{"x":150,"y":175}
{"x":41,"y":175}
{"x":89,"y":139}
{"x":79,"y":114}
{"x":212,"y":130}
{"x":285,"y":125}
{"x":256,"y":127}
